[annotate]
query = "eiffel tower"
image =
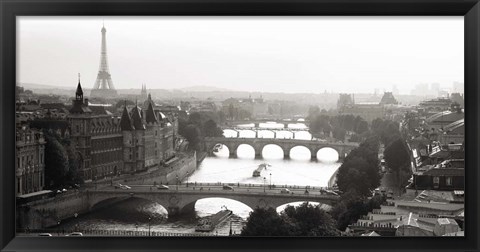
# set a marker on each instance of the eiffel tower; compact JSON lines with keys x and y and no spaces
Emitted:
{"x":103,"y":85}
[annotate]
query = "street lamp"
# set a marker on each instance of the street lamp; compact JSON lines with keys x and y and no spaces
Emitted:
{"x":136,"y":228}
{"x":58,"y":226}
{"x":264,"y":181}
{"x":270,"y":180}
{"x":76,"y":224}
{"x":149,"y":219}
{"x":187,"y":179}
{"x":111,"y":178}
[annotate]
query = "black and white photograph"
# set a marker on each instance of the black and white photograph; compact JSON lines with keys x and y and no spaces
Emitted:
{"x":240,"y":126}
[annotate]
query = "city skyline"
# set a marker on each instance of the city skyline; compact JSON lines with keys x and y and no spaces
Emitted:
{"x":262,"y":48}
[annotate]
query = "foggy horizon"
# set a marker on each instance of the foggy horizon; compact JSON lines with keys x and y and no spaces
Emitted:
{"x":245,"y":54}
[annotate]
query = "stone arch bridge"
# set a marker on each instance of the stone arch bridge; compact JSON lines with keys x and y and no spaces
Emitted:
{"x":286,"y":144}
{"x":182,"y":200}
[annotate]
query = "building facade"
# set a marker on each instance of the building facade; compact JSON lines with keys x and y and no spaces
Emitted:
{"x":148,"y":137}
{"x":30,"y":161}
{"x":97,"y":138}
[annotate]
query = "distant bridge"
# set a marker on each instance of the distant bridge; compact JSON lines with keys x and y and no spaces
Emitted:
{"x":181,"y":199}
{"x":286,"y":144}
{"x":256,"y":130}
{"x":257,"y":122}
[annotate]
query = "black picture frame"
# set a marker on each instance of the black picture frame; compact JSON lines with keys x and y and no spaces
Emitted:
{"x":10,"y":9}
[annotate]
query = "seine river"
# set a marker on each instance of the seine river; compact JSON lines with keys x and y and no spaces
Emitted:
{"x":134,"y":214}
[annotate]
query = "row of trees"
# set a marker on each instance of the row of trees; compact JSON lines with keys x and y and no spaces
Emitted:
{"x":396,"y":153}
{"x":304,"y":220}
{"x":197,"y":126}
{"x":337,"y":125}
{"x":309,"y":220}
{"x":386,"y":130}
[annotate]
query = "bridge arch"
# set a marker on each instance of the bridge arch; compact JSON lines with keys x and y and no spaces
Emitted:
{"x":248,"y":150}
{"x":298,"y":203}
{"x":271,"y":150}
{"x":327,"y":153}
{"x":285,"y":134}
{"x":298,"y":149}
{"x":247,"y":133}
{"x":274,"y":133}
{"x":231,"y":133}
{"x":216,"y":204}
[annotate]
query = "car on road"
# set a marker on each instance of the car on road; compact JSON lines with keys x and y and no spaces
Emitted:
{"x":226,"y":187}
{"x":44,"y":234}
{"x":284,"y":190}
{"x":162,"y":187}
{"x":125,"y":187}
{"x":328,"y":192}
{"x":75,"y":234}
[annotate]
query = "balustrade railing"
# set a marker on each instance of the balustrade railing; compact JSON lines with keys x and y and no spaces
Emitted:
{"x":103,"y":232}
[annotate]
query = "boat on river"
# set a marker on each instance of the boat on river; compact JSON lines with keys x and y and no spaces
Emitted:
{"x":217,"y":148}
{"x":258,"y":172}
{"x":209,"y":223}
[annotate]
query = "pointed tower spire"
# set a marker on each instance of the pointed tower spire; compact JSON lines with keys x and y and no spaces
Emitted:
{"x":79,"y":92}
{"x":126,"y":121}
{"x":150,"y":116}
{"x":137,"y":118}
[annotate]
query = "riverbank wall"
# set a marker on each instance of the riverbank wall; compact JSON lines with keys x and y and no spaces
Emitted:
{"x":333,"y":179}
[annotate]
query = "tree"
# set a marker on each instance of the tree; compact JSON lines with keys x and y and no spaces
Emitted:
{"x":56,"y":162}
{"x":398,"y":160}
{"x":352,"y":176}
{"x":194,"y":136}
{"x":308,"y":220}
{"x":72,"y":176}
{"x":361,"y":126}
{"x":352,"y":206}
{"x":339,"y":133}
{"x":303,"y":220}
{"x":211,"y":129}
{"x":266,"y":222}
{"x":360,"y":169}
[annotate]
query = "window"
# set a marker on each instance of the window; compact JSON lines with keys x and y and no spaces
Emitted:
{"x":436,"y":181}
{"x":78,"y":129}
{"x":448,"y":181}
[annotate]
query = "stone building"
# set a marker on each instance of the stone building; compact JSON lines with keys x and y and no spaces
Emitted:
{"x":344,"y":100}
{"x":148,"y":136}
{"x":98,"y":138}
{"x":388,"y":98}
{"x":367,"y":111}
{"x":30,"y":161}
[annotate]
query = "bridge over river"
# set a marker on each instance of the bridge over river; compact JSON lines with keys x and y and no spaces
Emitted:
{"x":256,"y":122}
{"x":286,"y":144}
{"x":177,"y":199}
{"x":181,"y":199}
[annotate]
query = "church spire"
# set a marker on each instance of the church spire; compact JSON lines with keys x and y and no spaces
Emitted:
{"x":79,"y":92}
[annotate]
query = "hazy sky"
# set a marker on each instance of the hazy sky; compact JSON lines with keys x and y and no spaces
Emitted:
{"x":269,"y":54}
